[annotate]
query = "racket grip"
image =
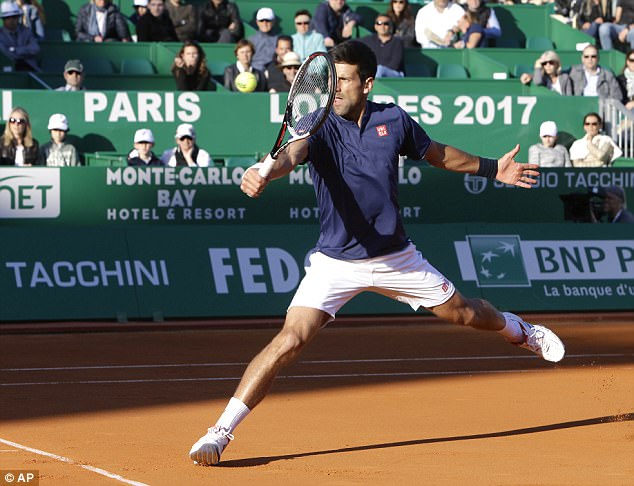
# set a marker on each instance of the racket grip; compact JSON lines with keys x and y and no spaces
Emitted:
{"x":267,"y":166}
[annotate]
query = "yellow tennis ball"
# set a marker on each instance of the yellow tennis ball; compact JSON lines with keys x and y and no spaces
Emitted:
{"x":246,"y":82}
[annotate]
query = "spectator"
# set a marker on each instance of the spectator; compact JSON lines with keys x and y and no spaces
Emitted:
{"x":614,"y":206}
{"x":190,"y":69}
{"x":74,"y":76}
{"x":591,"y":14}
{"x":264,"y":39}
{"x":472,"y":33}
{"x":186,"y":152}
{"x":140,"y":7}
{"x":101,"y":21}
{"x":548,"y":74}
{"x":17,"y":42}
{"x":56,"y":152}
{"x":548,"y":153}
{"x":155,"y":25}
{"x":622,"y":28}
{"x":288,"y":67}
{"x":335,"y":20}
{"x":18,"y":145}
{"x":244,"y":53}
{"x":305,"y":39}
{"x":142,"y":154}
{"x":400,"y":13}
{"x":184,"y":18}
{"x":590,"y":79}
{"x":435,"y":23}
{"x":273,"y":71}
{"x":387,"y":48}
{"x":219,"y":21}
{"x":626,"y":80}
{"x":594,"y":149}
{"x":32,"y":17}
{"x":485,"y":16}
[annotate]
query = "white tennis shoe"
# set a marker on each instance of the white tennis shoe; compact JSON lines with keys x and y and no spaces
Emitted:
{"x":206,"y":451}
{"x":540,"y":340}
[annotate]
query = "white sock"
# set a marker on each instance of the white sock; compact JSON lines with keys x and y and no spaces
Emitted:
{"x":512,"y":331}
{"x":235,"y":413}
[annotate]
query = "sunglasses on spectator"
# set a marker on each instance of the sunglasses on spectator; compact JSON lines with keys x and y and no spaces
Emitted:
{"x":186,"y":137}
{"x":74,"y":72}
{"x":302,"y":23}
{"x":17,"y":121}
{"x":552,"y":63}
{"x":592,"y":124}
{"x":590,"y":56}
{"x":398,"y":1}
{"x":381,"y":22}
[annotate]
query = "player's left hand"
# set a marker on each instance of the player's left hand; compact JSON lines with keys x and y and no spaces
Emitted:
{"x":511,"y":172}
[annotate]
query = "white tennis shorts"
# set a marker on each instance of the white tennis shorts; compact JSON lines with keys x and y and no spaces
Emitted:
{"x":405,"y":276}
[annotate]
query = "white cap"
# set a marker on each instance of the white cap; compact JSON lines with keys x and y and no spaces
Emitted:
{"x":10,"y":9}
{"x":548,"y":128}
{"x":140,"y":3}
{"x":143,"y":135}
{"x":265,"y":13}
{"x":185,"y":130}
{"x":58,"y":122}
{"x":291,"y":59}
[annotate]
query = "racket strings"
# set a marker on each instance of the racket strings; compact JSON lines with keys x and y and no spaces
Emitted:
{"x":309,"y":95}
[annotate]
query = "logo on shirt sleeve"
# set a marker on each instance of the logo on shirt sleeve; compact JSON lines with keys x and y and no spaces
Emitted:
{"x":381,"y":131}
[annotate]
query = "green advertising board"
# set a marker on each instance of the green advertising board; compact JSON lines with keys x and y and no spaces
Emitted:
{"x":253,"y":270}
{"x":130,"y":196}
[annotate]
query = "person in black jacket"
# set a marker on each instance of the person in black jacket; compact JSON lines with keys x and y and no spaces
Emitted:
{"x":190,"y":69}
{"x":219,"y":21}
{"x":18,"y":147}
{"x":155,"y":25}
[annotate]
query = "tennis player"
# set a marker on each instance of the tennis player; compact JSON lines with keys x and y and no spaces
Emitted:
{"x":362,"y":246}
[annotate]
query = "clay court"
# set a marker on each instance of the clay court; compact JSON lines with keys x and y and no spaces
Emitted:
{"x":380,"y":401}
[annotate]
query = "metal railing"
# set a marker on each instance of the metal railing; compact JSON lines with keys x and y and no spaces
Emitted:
{"x":618,"y":123}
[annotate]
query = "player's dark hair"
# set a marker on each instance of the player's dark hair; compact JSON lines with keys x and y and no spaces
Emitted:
{"x":358,"y":54}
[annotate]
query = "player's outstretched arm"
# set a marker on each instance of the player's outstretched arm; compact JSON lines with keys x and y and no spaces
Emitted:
{"x":253,"y":183}
{"x":505,"y":170}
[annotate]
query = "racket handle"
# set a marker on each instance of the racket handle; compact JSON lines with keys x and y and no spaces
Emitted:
{"x":267,"y":166}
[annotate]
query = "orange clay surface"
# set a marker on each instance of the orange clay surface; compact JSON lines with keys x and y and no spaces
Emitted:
{"x":397,"y":402}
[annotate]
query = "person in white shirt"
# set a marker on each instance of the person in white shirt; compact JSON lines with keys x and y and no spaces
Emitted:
{"x":435,"y":23}
{"x":594,"y":149}
{"x":74,"y":76}
{"x":186,"y":152}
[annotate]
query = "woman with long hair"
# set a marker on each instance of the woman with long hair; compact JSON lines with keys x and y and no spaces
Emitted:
{"x":190,"y":69}
{"x":18,"y":145}
{"x":403,"y":21}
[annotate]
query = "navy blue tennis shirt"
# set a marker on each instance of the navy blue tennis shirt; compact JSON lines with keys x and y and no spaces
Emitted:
{"x":355,"y":175}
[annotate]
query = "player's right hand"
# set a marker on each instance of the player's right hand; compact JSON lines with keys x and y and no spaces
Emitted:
{"x":252,"y":182}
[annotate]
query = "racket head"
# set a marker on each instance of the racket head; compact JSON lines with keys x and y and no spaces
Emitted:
{"x":310,"y":98}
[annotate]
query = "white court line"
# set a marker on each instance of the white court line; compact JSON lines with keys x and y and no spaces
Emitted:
{"x":97,"y":470}
{"x":332,"y":361}
{"x":284,"y":377}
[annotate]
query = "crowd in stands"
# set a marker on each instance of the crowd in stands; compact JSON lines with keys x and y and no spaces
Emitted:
{"x":274,"y":58}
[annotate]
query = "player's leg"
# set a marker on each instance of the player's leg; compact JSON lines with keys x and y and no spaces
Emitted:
{"x":480,"y":314}
{"x":300,"y":327}
{"x":408,"y":277}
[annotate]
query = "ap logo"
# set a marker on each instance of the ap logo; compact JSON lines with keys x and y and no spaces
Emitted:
{"x":498,"y":261}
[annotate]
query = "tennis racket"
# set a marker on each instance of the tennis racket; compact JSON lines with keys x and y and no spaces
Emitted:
{"x":309,"y":102}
